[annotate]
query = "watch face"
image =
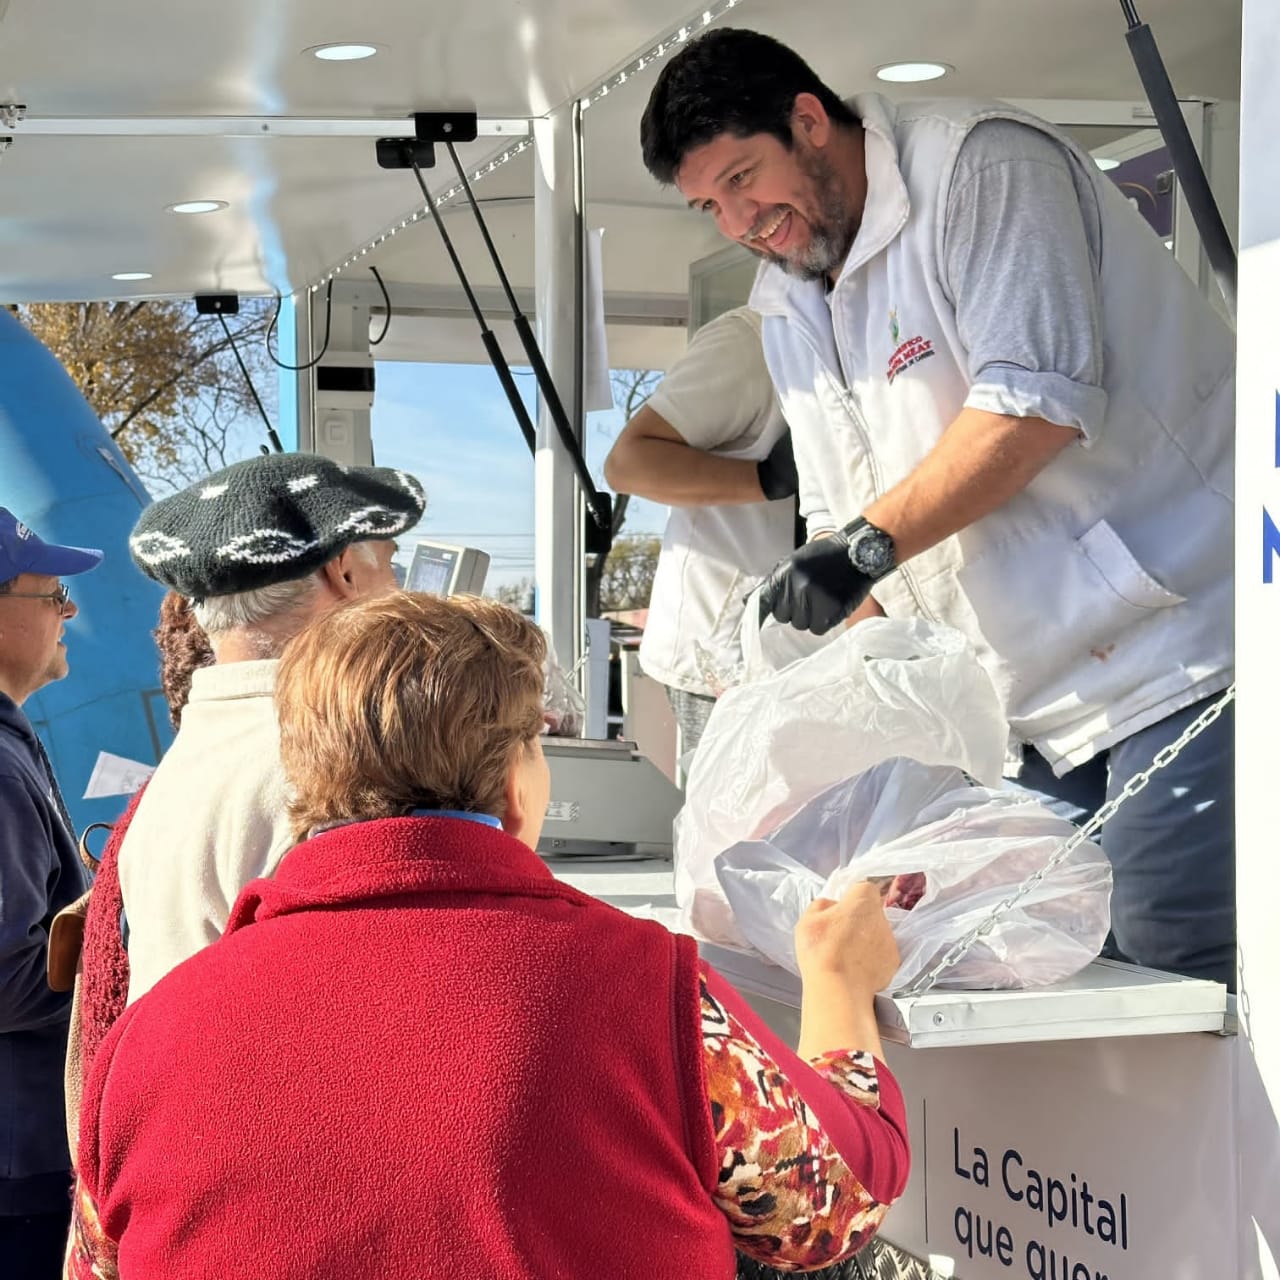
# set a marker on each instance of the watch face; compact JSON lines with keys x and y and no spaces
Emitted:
{"x":873,"y":553}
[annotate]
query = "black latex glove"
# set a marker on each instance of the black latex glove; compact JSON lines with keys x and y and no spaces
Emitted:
{"x":777,"y":472}
{"x":816,"y":586}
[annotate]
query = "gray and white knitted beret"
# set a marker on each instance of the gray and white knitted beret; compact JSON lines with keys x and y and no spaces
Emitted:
{"x":269,"y":519}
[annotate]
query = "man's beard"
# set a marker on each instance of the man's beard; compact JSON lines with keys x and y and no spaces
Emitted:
{"x":832,"y":228}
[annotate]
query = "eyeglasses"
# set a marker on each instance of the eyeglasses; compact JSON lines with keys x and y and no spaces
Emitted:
{"x":59,"y":597}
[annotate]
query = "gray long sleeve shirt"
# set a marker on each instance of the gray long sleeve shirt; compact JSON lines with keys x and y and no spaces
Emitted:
{"x":1031,"y":321}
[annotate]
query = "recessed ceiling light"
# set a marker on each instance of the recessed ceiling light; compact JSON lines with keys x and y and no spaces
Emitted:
{"x":198,"y":206}
{"x":912,"y":72}
{"x":343,"y":52}
{"x":132,"y":275}
{"x":1105,"y":163}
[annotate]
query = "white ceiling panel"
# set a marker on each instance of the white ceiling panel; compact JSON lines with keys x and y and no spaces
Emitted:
{"x":75,"y":210}
{"x":246,"y":57}
{"x":72,"y":215}
{"x":1063,"y":49}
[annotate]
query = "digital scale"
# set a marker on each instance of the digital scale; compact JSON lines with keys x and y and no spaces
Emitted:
{"x":607,"y":800}
{"x":442,"y":570}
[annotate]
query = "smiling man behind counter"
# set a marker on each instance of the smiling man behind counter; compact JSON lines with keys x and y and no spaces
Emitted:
{"x":1013,"y":413}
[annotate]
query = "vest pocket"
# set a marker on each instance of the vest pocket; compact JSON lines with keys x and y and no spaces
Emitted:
{"x":1048,"y":604}
{"x":1116,"y":565}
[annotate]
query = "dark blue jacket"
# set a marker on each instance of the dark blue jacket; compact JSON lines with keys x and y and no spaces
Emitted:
{"x":40,"y":873}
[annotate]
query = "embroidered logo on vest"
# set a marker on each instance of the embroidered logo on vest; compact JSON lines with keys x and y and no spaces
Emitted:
{"x":906,"y":353}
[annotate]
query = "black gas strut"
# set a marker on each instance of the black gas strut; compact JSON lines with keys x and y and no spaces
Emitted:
{"x":402,"y":153}
{"x":1182,"y":151}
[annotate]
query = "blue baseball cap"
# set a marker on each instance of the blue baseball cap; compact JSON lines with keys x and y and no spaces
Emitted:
{"x":21,"y":551}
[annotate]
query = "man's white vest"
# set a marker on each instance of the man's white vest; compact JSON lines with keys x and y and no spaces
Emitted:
{"x":1100,"y":598}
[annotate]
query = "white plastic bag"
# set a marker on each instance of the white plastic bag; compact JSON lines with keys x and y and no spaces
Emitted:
{"x":974,"y":847}
{"x":881,"y":689}
{"x":564,"y":711}
{"x":770,"y":646}
{"x":753,"y":650}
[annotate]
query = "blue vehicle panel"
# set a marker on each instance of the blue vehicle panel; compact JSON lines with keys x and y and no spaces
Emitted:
{"x":61,"y":473}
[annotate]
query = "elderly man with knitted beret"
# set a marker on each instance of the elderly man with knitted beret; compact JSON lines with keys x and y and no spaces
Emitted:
{"x":260,"y":549}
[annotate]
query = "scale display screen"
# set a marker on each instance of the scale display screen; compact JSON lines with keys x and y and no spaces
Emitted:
{"x":431,"y":573}
{"x":443,"y":570}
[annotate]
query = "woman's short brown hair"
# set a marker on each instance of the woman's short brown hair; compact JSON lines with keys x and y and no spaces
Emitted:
{"x":405,"y":701}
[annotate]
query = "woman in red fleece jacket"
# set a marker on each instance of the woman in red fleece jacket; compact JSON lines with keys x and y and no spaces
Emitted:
{"x":414,"y":1052}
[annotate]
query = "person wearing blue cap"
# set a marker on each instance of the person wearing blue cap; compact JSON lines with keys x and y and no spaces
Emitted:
{"x":40,"y":873}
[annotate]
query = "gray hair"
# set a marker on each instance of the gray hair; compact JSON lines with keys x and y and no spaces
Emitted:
{"x":250,"y":609}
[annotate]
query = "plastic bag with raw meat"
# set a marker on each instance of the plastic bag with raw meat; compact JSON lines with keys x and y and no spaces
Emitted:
{"x":887,"y":687}
{"x":950,"y":852}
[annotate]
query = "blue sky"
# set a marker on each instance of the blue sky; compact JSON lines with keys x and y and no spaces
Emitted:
{"x":451,"y":426}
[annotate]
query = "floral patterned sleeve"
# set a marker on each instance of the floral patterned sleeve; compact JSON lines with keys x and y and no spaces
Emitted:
{"x":790,"y":1197}
{"x":92,"y":1253}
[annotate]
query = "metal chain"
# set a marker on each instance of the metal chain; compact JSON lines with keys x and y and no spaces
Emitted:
{"x":1165,"y":756}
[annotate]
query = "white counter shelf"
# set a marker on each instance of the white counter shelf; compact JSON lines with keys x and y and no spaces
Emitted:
{"x":1105,"y":1000}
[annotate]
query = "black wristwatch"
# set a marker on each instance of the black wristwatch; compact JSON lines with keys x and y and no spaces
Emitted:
{"x":871,"y":550}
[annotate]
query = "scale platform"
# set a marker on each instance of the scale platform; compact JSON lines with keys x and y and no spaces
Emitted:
{"x":1107,"y":999}
{"x":1104,"y":1000}
{"x":607,"y":801}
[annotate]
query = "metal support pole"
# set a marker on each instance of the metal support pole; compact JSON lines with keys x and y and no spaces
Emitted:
{"x":295,"y":386}
{"x":558,"y":271}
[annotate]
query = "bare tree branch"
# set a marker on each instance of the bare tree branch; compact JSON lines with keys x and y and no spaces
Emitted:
{"x":519,"y":595}
{"x":161,"y":377}
{"x":194,"y":363}
{"x":631,"y":388}
{"x":627,"y":579}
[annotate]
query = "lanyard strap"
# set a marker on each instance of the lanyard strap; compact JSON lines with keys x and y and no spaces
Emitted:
{"x":484,"y":819}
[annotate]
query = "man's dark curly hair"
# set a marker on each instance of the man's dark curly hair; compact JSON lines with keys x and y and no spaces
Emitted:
{"x":727,"y":81}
